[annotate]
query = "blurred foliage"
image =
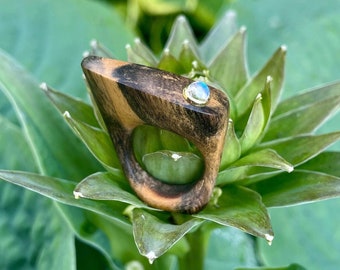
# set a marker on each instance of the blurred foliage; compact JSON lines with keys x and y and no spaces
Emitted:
{"x":49,"y":37}
{"x":152,"y":19}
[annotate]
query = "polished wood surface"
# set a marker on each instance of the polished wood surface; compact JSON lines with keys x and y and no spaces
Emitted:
{"x":129,"y":95}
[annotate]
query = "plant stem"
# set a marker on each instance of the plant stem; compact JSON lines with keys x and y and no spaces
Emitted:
{"x":194,"y":259}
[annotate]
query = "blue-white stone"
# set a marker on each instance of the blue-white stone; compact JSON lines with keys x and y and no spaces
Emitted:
{"x":197,"y":93}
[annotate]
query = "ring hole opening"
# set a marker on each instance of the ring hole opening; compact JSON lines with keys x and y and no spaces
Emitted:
{"x":167,"y":156}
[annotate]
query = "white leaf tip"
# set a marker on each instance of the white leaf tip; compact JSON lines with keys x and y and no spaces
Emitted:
{"x":151,"y":256}
{"x":94,"y":43}
{"x":175,"y":156}
{"x":66,"y":114}
{"x":43,"y":86}
{"x":283,"y":48}
{"x":269,"y":79}
{"x":77,"y":195}
{"x":243,"y":29}
{"x":269,"y":238}
{"x":86,"y":54}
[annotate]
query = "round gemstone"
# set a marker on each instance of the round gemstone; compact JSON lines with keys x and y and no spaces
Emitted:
{"x":197,"y":93}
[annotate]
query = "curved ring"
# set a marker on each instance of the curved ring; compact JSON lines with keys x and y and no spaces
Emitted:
{"x":129,"y":95}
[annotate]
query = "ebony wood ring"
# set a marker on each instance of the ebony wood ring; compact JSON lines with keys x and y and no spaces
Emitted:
{"x":129,"y":95}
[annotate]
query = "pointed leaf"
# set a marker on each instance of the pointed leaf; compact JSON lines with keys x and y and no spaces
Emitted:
{"x":232,"y":175}
{"x":107,"y":186}
{"x":303,"y":120}
{"x":99,"y":49}
{"x":300,"y":149}
{"x":169,"y":63}
{"x":97,"y":141}
{"x":96,"y":111}
{"x":297,"y":187}
{"x":141,"y":54}
{"x":273,"y":68}
{"x":174,"y":167}
{"x":145,"y":140}
{"x":232,"y":147}
{"x":218,"y":36}
{"x":309,"y":97}
{"x":229,"y":66}
{"x":241,"y":169}
{"x":242,"y":208}
{"x":181,"y":31}
{"x":55,"y":149}
{"x":76,"y":107}
{"x":255,"y":126}
{"x":153,"y":237}
{"x":61,"y":190}
{"x":325,"y":162}
{"x":187,"y":56}
{"x":267,"y":101}
{"x":264,"y":158}
{"x":173,"y":142}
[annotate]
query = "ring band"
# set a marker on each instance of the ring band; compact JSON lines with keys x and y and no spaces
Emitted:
{"x":129,"y":95}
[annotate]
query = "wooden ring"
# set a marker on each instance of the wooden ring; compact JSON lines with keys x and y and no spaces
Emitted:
{"x":129,"y":95}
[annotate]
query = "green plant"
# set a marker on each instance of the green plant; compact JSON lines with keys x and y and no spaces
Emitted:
{"x":240,"y":178}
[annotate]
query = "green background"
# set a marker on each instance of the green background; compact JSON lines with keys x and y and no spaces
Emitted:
{"x":49,"y":37}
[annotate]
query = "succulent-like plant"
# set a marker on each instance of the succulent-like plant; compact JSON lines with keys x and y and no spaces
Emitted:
{"x":272,"y":156}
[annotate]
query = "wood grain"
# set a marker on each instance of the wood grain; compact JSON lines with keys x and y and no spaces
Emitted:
{"x":129,"y":95}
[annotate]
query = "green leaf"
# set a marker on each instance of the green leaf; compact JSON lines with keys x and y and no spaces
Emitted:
{"x":273,"y":68}
{"x":173,"y":142}
{"x":97,"y":141}
{"x":154,"y":237}
{"x":163,"y":7}
{"x":325,"y":162}
{"x":169,"y":63}
{"x":29,"y":218}
{"x":81,"y":221}
{"x":264,"y":158}
{"x":107,"y":186}
{"x":218,"y":35}
{"x":229,"y":67}
{"x":187,"y":56}
{"x":307,"y":98}
{"x":228,"y":248}
{"x":145,"y":140}
{"x":51,"y":46}
{"x":297,"y":187}
{"x":180,"y":32}
{"x":255,"y":125}
{"x":141,"y":54}
{"x":242,"y":169}
{"x":303,"y":120}
{"x":44,"y":129}
{"x":76,"y":107}
{"x":174,"y":167}
{"x":232,"y":147}
{"x":62,"y":191}
{"x":289,"y":267}
{"x":98,"y":49}
{"x":300,"y":149}
{"x":242,"y":208}
{"x":48,"y":42}
{"x":11,"y":135}
{"x":307,"y":234}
